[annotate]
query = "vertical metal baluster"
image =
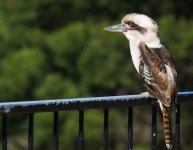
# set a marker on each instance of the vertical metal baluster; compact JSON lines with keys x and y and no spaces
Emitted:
{"x":4,"y":132}
{"x":30,"y":131}
{"x":106,"y":127}
{"x":56,"y":135}
{"x":154,"y":127}
{"x":81,"y":130}
{"x":130,"y":128}
{"x":177,"y":138}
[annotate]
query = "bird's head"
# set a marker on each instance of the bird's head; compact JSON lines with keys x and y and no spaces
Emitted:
{"x":137,"y":27}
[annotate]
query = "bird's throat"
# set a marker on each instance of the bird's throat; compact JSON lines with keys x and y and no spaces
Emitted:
{"x":135,"y":55}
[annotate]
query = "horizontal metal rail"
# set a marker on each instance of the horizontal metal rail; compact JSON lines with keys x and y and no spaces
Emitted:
{"x":84,"y":103}
{"x":80,"y":104}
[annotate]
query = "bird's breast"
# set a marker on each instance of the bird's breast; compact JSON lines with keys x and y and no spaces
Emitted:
{"x":135,"y":55}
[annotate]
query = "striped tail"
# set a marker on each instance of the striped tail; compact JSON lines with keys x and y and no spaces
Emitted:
{"x":167,"y":129}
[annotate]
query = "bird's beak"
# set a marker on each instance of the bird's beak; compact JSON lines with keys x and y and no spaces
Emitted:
{"x":117,"y":28}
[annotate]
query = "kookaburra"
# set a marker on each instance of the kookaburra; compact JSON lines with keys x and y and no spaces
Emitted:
{"x":153,"y":63}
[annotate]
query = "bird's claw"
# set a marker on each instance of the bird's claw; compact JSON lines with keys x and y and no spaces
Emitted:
{"x":145,"y":94}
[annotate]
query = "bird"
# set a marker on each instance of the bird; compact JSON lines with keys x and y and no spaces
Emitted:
{"x":153,"y":62}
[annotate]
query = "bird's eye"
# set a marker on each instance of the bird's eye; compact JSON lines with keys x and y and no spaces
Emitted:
{"x":131,"y":24}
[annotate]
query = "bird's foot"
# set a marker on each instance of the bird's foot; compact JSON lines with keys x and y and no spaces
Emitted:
{"x":146,"y":94}
{"x":169,"y":146}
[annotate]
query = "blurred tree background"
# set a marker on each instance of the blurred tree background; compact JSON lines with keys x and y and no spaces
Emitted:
{"x":57,"y":49}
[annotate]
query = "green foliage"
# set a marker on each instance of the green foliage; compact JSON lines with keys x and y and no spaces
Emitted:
{"x":43,"y":125}
{"x":19,"y":69}
{"x":58,"y":49}
{"x":67,"y":44}
{"x":179,"y":34}
{"x":55,"y":86}
{"x":69,"y":128}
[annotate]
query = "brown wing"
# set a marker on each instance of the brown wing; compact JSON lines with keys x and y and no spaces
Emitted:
{"x":164,"y":55}
{"x":155,"y":74}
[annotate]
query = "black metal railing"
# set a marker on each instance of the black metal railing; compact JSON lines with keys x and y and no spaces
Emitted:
{"x":81,"y":104}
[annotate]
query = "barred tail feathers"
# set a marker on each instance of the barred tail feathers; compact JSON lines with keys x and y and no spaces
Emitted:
{"x":167,"y":129}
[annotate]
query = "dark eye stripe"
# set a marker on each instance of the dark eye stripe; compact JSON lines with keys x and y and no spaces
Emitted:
{"x":131,"y":23}
{"x":134,"y":26}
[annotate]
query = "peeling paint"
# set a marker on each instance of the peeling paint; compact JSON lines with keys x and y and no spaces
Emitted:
{"x":80,"y":103}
